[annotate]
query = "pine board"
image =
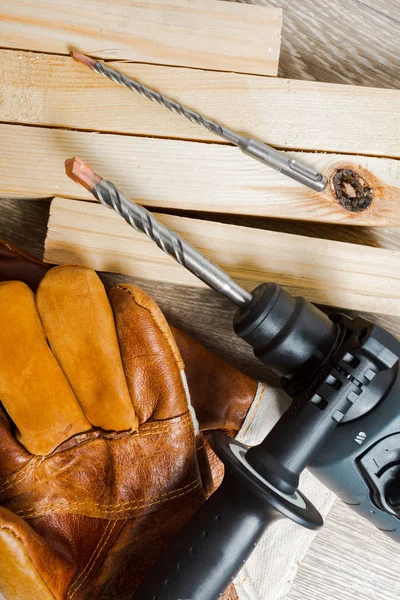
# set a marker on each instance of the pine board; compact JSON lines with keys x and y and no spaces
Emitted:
{"x":324,"y":271}
{"x":204,"y":34}
{"x":42,"y":89}
{"x":189,"y":175}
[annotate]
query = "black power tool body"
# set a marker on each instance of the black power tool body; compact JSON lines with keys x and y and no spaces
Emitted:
{"x":342,"y":375}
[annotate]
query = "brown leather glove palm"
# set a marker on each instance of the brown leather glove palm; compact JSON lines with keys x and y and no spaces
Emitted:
{"x":98,"y":460}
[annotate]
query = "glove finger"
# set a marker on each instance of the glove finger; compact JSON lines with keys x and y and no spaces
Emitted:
{"x":24,"y":557}
{"x":153,"y":365}
{"x":33,"y":388}
{"x":80,"y":327}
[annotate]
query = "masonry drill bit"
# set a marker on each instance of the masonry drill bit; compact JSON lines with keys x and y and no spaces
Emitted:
{"x":253,"y":148}
{"x":169,"y":241}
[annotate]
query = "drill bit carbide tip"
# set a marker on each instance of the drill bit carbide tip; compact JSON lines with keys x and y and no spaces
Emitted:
{"x":81,"y":173}
{"x":169,"y":241}
{"x":249,"y":146}
{"x":83,"y":58}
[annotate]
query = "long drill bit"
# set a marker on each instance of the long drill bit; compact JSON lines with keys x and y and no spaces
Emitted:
{"x":169,"y":241}
{"x":253,"y":148}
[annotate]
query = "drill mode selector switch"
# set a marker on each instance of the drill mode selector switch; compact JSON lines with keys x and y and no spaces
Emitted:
{"x":367,"y":363}
{"x":381,"y":468}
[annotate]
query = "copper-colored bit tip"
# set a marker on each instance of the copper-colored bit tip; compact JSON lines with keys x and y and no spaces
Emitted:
{"x":81,"y":173}
{"x":82,"y":58}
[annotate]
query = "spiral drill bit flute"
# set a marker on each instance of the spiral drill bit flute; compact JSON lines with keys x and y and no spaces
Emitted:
{"x":169,"y":241}
{"x":253,"y":148}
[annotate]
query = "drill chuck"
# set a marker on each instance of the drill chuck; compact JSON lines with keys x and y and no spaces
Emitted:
{"x":289,"y":335}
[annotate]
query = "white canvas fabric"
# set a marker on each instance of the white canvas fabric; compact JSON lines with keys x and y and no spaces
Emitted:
{"x":271,"y":569}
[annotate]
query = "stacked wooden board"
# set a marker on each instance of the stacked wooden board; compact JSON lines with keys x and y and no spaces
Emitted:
{"x":59,"y":95}
{"x":324,"y":271}
{"x":52,"y":108}
{"x":204,"y":34}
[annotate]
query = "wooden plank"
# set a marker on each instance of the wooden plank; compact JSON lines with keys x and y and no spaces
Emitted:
{"x":324,"y":271}
{"x":333,"y":570}
{"x":189,"y":175}
{"x":196,"y":33}
{"x":304,"y":115}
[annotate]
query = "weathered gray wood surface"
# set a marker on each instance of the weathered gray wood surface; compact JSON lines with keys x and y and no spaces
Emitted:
{"x":346,"y":41}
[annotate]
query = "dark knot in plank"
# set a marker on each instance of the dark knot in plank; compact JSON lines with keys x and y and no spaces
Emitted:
{"x":351,"y":190}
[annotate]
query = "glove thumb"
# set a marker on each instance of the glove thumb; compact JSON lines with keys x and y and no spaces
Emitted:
{"x":24,"y":557}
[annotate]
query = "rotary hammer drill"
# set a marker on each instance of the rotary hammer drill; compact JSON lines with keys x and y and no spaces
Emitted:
{"x":342,"y":375}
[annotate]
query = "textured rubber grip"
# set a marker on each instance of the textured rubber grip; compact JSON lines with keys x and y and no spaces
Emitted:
{"x":207,"y":554}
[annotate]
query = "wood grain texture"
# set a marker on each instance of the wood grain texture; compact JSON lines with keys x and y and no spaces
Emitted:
{"x":324,"y":271}
{"x":189,"y":175}
{"x":195,"y":33}
{"x":345,"y":41}
{"x":388,"y":8}
{"x":41,"y":89}
{"x":349,"y":560}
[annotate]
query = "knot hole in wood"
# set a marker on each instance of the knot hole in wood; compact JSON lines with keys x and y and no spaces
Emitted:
{"x":352,"y":191}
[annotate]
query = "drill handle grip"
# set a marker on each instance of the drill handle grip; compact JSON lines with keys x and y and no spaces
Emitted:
{"x":206,"y":555}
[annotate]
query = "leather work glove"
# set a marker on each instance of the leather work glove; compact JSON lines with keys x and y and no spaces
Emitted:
{"x":67,"y":553}
{"x":98,"y":460}
{"x":208,"y":375}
